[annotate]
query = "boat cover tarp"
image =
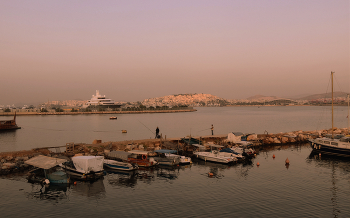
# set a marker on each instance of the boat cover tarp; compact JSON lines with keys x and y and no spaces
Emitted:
{"x":166,"y":151}
{"x":86,"y":164}
{"x":119,"y":154}
{"x":44,"y":162}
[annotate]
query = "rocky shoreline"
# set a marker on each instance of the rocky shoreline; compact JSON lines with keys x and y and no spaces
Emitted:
{"x":13,"y":162}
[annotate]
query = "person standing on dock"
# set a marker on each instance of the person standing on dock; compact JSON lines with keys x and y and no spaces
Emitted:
{"x":157,"y":132}
{"x":212,"y":129}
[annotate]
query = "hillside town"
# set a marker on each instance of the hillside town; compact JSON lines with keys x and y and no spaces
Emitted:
{"x":175,"y":101}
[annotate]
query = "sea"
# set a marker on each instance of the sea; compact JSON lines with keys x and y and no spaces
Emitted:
{"x":310,"y":186}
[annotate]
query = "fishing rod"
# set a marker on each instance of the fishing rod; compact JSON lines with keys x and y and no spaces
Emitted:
{"x":147,"y":127}
{"x":204,"y":129}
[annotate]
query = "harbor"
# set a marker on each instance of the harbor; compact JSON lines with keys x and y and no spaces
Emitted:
{"x":152,"y":192}
{"x":261,"y":181}
{"x":12,"y":162}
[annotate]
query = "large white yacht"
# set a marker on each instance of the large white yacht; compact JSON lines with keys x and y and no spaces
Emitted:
{"x":101,"y":101}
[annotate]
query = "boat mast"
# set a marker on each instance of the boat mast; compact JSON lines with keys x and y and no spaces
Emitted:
{"x":348,"y":116}
{"x":332,"y":105}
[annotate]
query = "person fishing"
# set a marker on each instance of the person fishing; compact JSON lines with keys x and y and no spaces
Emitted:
{"x":157,"y":133}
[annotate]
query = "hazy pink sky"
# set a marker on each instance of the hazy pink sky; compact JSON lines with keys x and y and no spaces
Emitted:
{"x":132,"y":50}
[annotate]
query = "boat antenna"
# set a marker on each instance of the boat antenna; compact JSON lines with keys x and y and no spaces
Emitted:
{"x":332,"y":105}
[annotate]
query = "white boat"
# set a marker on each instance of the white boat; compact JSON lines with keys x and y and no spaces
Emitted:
{"x":331,"y":146}
{"x":216,"y":156}
{"x":118,"y":160}
{"x":85,"y":167}
{"x":242,"y":148}
{"x":101,"y":101}
{"x":118,"y":165}
{"x":182,"y":159}
{"x":163,"y":159}
{"x":234,"y":153}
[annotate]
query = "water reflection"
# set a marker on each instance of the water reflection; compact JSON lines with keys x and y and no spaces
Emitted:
{"x":168,"y":173}
{"x":334,"y":164}
{"x":122,"y":178}
{"x":90,"y":189}
{"x":51,"y":192}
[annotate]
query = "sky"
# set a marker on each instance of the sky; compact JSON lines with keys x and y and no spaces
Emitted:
{"x":133,"y":50}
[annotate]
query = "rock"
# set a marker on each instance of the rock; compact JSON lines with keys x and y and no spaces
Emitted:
{"x":276,"y":141}
{"x":284,"y":140}
{"x":252,"y":137}
{"x":97,"y":141}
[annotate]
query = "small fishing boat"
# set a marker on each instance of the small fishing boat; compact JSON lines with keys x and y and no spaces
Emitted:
{"x":171,"y":154}
{"x":141,"y":158}
{"x":47,"y":170}
{"x":238,"y":155}
{"x":243,"y":148}
{"x":117,"y":160}
{"x":85,"y":167}
{"x":113,"y":118}
{"x":216,"y":156}
{"x":163,"y":159}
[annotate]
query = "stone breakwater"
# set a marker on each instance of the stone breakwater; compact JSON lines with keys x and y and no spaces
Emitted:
{"x":13,"y":162}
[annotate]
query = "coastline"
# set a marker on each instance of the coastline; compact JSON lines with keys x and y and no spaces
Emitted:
{"x":93,"y":112}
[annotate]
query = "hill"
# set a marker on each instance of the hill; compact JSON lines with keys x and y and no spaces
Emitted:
{"x":263,"y":98}
{"x":325,"y":95}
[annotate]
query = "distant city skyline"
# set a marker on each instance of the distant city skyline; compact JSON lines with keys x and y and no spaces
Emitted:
{"x":131,"y":51}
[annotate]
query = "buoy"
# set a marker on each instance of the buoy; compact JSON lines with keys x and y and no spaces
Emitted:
{"x":258,"y":164}
{"x":273,"y":156}
{"x":210,"y":174}
{"x":287,"y":161}
{"x":75,"y":183}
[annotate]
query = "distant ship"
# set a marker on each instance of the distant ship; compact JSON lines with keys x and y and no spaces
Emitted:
{"x":101,"y":101}
{"x":9,"y":124}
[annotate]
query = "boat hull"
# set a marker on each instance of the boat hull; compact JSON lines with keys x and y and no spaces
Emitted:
{"x":207,"y":156}
{"x":74,"y":174}
{"x":330,"y":150}
{"x":116,"y":165}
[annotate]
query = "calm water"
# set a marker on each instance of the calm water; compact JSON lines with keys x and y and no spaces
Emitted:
{"x":310,"y":187}
{"x":50,"y":131}
{"x":307,"y":188}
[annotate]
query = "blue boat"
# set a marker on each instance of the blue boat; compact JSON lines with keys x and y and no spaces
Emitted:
{"x":47,"y":170}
